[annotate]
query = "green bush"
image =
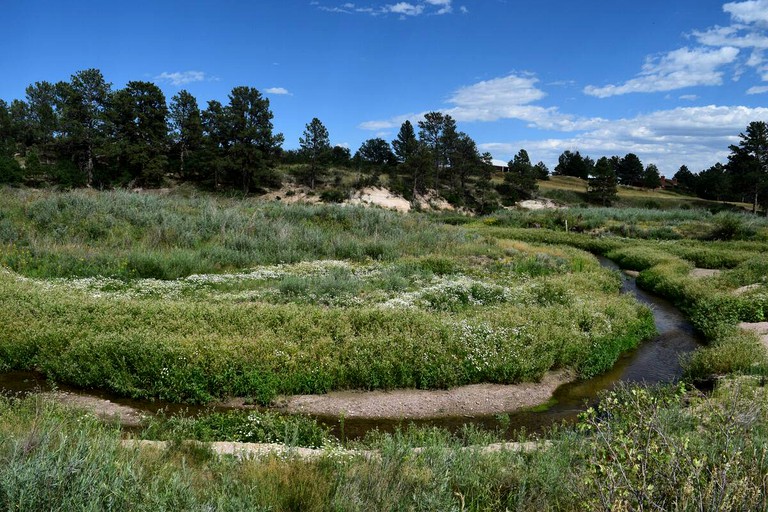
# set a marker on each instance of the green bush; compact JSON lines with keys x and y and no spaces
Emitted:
{"x":239,"y":426}
{"x":334,"y":195}
{"x":731,"y":226}
{"x":10,"y":171}
{"x":733,"y":352}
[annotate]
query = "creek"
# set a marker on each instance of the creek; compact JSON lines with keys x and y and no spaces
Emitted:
{"x":655,"y":361}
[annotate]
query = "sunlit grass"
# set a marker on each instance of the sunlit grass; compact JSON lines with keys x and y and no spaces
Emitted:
{"x":255,"y":301}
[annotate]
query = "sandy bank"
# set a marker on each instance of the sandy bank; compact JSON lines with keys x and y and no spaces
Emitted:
{"x":471,"y":400}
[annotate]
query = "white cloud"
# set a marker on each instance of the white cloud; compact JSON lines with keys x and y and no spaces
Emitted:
{"x":181,"y":77}
{"x":444,"y":6}
{"x":747,"y":30}
{"x":348,"y":8}
{"x":697,"y":136}
{"x":388,"y":124}
{"x":694,"y":136}
{"x":509,"y":90}
{"x":277,"y":91}
{"x":677,"y":69}
{"x":751,"y":11}
{"x":508,"y":97}
{"x":403,"y":9}
{"x":738,"y":36}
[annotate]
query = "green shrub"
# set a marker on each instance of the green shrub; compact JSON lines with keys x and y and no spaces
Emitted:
{"x":10,"y":171}
{"x":731,"y":226}
{"x":733,"y":352}
{"x":639,"y":257}
{"x":334,"y":195}
{"x":645,"y":450}
{"x":239,"y":426}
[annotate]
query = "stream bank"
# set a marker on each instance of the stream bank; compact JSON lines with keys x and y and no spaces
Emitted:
{"x":529,"y":406}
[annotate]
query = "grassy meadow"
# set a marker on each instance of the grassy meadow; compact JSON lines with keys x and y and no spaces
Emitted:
{"x":315,"y":309}
{"x":192,"y":298}
{"x":572,"y":191}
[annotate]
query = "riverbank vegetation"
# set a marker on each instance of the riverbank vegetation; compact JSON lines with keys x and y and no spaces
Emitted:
{"x":390,"y":314}
{"x":666,"y":248}
{"x":666,"y":449}
{"x":192,"y":298}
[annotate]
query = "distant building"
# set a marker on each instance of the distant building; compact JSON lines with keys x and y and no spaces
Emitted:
{"x":666,"y":183}
{"x":500,"y":165}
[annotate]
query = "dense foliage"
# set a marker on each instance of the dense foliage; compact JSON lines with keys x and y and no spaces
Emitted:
{"x":498,"y":305}
{"x":85,"y":133}
{"x":325,"y":298}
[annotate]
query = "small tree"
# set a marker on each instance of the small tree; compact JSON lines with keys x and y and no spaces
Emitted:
{"x":340,"y":156}
{"x":216,"y":142}
{"x":375,"y":154}
{"x":316,"y":145}
{"x":139,"y":120}
{"x":466,"y":162}
{"x":486,"y":198}
{"x":541,"y":171}
{"x":601,"y":185}
{"x":520,"y":180}
{"x":685,"y":179}
{"x":630,"y":170}
{"x":412,"y":157}
{"x":437,"y":133}
{"x":748,"y":162}
{"x":84,"y":101}
{"x":10,"y":170}
{"x":406,"y":144}
{"x":651,"y":177}
{"x":253,"y":147}
{"x":573,"y":164}
{"x":713,"y":183}
{"x":186,"y":127}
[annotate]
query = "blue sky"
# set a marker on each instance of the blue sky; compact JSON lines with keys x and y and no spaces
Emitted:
{"x":673,"y":81}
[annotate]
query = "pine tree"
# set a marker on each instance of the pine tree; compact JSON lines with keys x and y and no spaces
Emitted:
{"x":651,"y":177}
{"x":84,"y":107}
{"x":252,"y":146}
{"x":748,"y":162}
{"x":601,"y":185}
{"x":316,"y":145}
{"x":186,"y":128}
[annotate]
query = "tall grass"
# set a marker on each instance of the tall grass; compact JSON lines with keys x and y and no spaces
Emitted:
{"x":491,"y":308}
{"x":189,"y":350}
{"x":126,"y":235}
{"x":662,"y":449}
{"x":640,"y":223}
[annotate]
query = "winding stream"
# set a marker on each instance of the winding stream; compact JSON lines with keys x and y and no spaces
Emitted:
{"x":655,"y":361}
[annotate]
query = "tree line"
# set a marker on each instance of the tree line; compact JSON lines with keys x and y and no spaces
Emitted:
{"x":744,"y":178}
{"x":85,"y":133}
